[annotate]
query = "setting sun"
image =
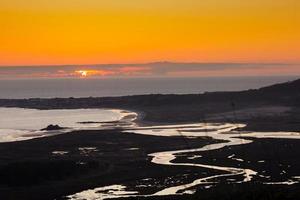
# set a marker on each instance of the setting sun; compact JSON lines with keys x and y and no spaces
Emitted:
{"x":82,"y":73}
{"x":87,"y":73}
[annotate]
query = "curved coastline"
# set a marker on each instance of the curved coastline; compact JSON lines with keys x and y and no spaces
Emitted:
{"x":30,"y":122}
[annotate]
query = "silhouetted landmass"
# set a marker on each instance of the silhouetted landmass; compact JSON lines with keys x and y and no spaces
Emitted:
{"x":34,"y":172}
{"x":52,"y":127}
{"x":192,"y":107}
{"x":31,"y":170}
{"x":280,"y":94}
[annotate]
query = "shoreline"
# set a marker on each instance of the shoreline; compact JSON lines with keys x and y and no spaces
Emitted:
{"x":112,"y":139}
{"x":31,"y":122}
{"x":281,"y":100}
{"x":166,"y":143}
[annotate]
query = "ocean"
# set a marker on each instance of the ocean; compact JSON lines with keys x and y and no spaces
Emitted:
{"x":22,"y":124}
{"x":50,"y":88}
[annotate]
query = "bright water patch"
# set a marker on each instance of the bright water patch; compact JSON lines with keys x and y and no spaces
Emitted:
{"x":22,"y":124}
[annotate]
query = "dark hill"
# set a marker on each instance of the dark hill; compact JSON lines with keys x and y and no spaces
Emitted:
{"x":284,"y":93}
{"x":177,"y":108}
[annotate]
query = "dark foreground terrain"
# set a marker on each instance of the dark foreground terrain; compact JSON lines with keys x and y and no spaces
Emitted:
{"x":30,"y":170}
{"x":41,"y":168}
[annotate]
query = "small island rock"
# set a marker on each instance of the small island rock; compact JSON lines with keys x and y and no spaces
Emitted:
{"x":52,"y":127}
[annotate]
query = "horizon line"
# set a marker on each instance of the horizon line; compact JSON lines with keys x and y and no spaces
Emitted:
{"x":154,"y":62}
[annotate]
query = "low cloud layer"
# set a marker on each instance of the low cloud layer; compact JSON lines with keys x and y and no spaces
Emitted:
{"x":160,"y":69}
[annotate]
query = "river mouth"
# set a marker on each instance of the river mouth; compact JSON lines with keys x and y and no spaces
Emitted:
{"x":226,"y":132}
{"x":211,"y":171}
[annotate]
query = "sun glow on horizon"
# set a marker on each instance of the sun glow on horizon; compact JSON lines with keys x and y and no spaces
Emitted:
{"x":89,"y":32}
{"x":163,"y":69}
{"x":82,"y":73}
{"x":90,"y":73}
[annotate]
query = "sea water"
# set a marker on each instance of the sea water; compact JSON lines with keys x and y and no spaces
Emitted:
{"x":22,"y":124}
{"x":101,"y":87}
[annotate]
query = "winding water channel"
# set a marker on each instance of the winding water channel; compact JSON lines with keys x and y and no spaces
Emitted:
{"x":225,"y":132}
{"x":30,"y":121}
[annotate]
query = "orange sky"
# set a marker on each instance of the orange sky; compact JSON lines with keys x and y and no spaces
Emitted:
{"x":43,"y":32}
